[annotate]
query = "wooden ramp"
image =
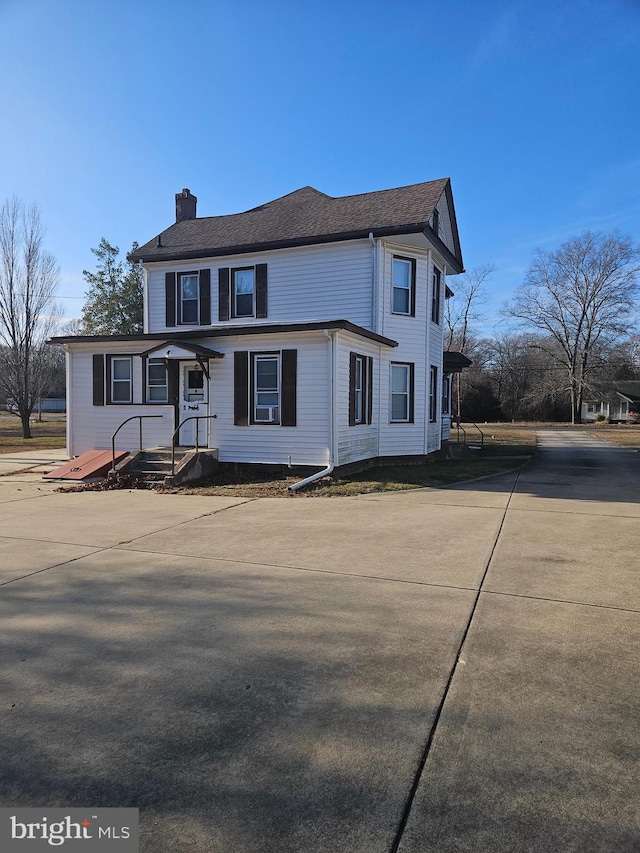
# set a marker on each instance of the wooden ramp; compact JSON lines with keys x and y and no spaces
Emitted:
{"x":92,"y":465}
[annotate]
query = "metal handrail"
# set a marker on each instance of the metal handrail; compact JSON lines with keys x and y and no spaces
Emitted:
{"x":113,"y":437}
{"x":177,"y":430}
{"x":460,"y":429}
{"x":481,"y":435}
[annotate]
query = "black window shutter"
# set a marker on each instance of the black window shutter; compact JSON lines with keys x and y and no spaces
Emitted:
{"x":170,"y":297}
{"x":172,"y":382}
{"x":261,"y":290}
{"x":352,"y":389}
{"x":223,"y":294}
{"x":412,"y":372}
{"x":98,"y":380}
{"x":241,"y":388}
{"x":288,"y":395}
{"x":413,"y":287}
{"x":369,"y":390}
{"x":205,"y":297}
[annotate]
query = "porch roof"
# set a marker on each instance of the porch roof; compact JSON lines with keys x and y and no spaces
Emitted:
{"x":454,"y":362}
{"x":181,"y":349}
{"x":229,"y":331}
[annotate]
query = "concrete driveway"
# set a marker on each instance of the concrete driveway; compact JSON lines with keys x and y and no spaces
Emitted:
{"x":438,"y":670}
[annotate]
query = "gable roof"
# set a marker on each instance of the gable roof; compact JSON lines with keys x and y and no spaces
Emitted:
{"x":630,"y":390}
{"x":308,"y":216}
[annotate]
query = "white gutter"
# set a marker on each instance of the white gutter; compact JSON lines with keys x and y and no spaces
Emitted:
{"x":333,"y":425}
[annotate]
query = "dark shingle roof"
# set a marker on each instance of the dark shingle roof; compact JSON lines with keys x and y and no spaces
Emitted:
{"x":629,"y":389}
{"x":302,"y":217}
{"x":454,"y":362}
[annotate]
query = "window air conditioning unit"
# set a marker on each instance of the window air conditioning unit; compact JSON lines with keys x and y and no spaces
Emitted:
{"x":266,"y":414}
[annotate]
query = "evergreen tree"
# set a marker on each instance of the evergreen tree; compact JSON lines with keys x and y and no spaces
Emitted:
{"x":114,"y":300}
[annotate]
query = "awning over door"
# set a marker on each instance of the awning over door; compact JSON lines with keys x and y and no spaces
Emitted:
{"x":181,"y":351}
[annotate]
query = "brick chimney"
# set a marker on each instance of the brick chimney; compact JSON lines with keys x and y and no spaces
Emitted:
{"x":185,"y":205}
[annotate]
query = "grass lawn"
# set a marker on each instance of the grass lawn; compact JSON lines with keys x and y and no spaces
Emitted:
{"x":50,"y":433}
{"x":625,"y":435}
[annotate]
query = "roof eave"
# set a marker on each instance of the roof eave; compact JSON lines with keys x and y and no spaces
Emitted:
{"x":230,"y":331}
{"x":159,"y":256}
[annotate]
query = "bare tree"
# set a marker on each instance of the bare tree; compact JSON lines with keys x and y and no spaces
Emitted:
{"x":462,"y":308}
{"x":580,"y":298}
{"x":28,"y":312}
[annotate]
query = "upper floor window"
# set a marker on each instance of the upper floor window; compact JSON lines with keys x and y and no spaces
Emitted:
{"x":436,"y":295}
{"x":242,"y":292}
{"x":243,"y":288}
{"x":157,"y":381}
{"x":189,"y":298}
{"x":436,"y":222}
{"x":403,"y":286}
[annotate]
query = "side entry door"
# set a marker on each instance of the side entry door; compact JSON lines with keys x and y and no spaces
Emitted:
{"x":194,"y":400}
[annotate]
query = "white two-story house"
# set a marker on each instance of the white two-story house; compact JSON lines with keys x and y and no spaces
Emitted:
{"x":306,"y":331}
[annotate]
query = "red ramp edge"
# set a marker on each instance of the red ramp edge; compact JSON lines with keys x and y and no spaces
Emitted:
{"x":90,"y":465}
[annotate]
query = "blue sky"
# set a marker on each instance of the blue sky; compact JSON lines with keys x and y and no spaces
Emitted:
{"x":532,"y":108}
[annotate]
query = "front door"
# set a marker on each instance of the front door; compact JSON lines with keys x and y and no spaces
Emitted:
{"x":194,"y":400}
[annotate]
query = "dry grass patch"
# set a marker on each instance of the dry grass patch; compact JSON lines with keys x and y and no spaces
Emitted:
{"x":624,"y":435}
{"x":50,"y":433}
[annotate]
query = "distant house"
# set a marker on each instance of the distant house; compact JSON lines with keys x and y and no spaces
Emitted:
{"x":306,"y":331}
{"x":621,"y":405}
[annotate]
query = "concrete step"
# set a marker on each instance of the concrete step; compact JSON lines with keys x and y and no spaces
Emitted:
{"x":151,"y":466}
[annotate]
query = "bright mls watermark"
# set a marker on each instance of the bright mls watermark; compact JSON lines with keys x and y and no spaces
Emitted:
{"x":79,"y":830}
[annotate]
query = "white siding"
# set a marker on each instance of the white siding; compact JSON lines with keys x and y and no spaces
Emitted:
{"x":435,"y":348}
{"x":308,"y":443}
{"x":446,"y":231}
{"x":327,"y":282}
{"x":359,"y":441}
{"x":403,"y":438}
{"x":91,"y":427}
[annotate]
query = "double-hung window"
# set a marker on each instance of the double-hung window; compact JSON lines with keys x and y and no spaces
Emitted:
{"x":358,"y":381}
{"x":189,"y":295}
{"x":436,"y":287}
{"x":403,"y":280}
{"x":360,"y":389}
{"x":265,"y":387}
{"x":266,"y":392}
{"x":401,"y":393}
{"x":157,"y":381}
{"x":433,"y":394}
{"x":120,"y":390}
{"x":243,"y":291}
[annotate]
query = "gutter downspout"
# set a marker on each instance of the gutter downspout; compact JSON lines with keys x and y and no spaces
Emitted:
{"x":68,"y":369}
{"x":333,"y":427}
